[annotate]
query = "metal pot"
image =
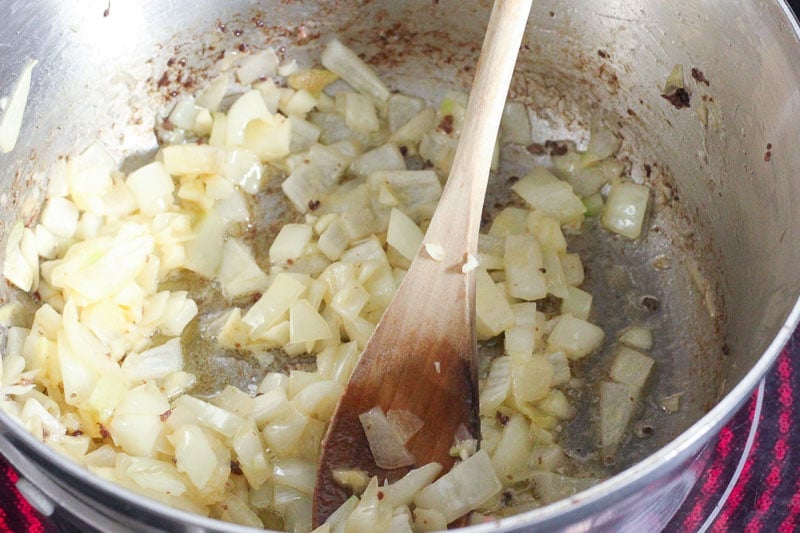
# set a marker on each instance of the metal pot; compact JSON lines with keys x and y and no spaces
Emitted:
{"x":726,"y":200}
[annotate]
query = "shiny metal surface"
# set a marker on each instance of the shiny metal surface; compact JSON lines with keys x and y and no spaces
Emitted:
{"x":725,"y":217}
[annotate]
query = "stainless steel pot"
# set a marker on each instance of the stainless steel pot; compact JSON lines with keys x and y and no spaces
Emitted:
{"x":726,"y":198}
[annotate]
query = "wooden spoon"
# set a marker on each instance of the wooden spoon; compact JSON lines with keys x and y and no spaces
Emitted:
{"x":422,"y":355}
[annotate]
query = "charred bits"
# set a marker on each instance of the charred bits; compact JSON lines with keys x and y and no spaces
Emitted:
{"x":698,"y":75}
{"x":680,"y":98}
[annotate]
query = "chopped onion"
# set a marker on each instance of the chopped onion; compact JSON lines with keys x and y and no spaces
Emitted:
{"x":465,"y":487}
{"x":404,"y":423}
{"x":470,"y":264}
{"x":157,"y":362}
{"x":11,"y":121}
{"x":403,"y":234}
{"x":402,"y":491}
{"x":496,"y":386}
{"x":386,"y":446}
{"x":354,"y":480}
{"x":262,"y":64}
{"x":630,"y":367}
{"x":435,"y":251}
{"x":344,"y":62}
{"x":617,"y":405}
{"x":625,"y":209}
{"x":637,"y":337}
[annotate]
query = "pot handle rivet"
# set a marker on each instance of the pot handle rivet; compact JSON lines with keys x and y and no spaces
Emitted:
{"x":35,"y":497}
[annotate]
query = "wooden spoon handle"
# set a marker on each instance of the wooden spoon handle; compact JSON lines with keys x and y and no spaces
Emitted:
{"x":459,"y":212}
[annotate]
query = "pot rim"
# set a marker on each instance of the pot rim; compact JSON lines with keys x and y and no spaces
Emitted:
{"x":584,"y":504}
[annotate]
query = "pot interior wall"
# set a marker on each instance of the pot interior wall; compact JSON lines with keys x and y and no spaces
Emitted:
{"x":719,"y":250}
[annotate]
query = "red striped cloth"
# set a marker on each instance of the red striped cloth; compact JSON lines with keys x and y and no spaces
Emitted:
{"x":765,"y":499}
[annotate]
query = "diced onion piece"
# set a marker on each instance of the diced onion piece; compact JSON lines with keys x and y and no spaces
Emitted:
{"x":269,"y":138}
{"x":212,"y":96}
{"x":465,"y":487}
{"x":60,"y":217}
{"x":435,"y":251}
{"x":295,"y":473}
{"x":561,"y":371}
{"x":385,"y":157}
{"x":360,"y":114}
{"x":306,"y":324}
{"x":553,"y":197}
{"x":386,"y":446}
{"x":557,"y":404}
{"x":262,"y":64}
{"x":98,"y":268}
{"x":137,"y":425}
{"x":238,"y":273}
{"x":630,"y":367}
{"x":578,"y":303}
{"x":532,"y":378}
{"x":349,"y":301}
{"x":157,"y":362}
{"x":674,"y":80}
{"x":411,"y":133}
{"x":151,"y":474}
{"x":247,"y":108}
{"x":152,"y":188}
{"x":243,"y":168}
{"x":319,"y":399}
{"x":470,"y":264}
{"x":339,"y":59}
{"x":194,"y":454}
{"x":204,"y":252}
{"x":373,"y":512}
{"x":290,"y":243}
{"x":625,"y":209}
{"x":637,"y":337}
{"x":303,"y":133}
{"x":404,"y":423}
{"x":354,"y":480}
{"x":576,"y":337}
{"x":183,"y":159}
{"x":402,"y":491}
{"x":401,"y":520}
{"x":492,"y":311}
{"x":301,"y":103}
{"x":211,"y":416}
{"x":90,"y":178}
{"x":333,"y":241}
{"x":523,"y":264}
{"x":250,"y":455}
{"x":284,"y":290}
{"x":337,"y":519}
{"x":11,"y":121}
{"x":603,"y":143}
{"x":496,"y":387}
{"x":511,"y":456}
{"x":184,"y":114}
{"x":587,"y":181}
{"x":429,"y":520}
{"x":417,"y":190}
{"x":403,"y":234}
{"x":312,"y":80}
{"x":515,"y":126}
{"x":401,"y":108}
{"x":511,"y":220}
{"x":617,"y":405}
{"x":572,"y":266}
{"x":16,"y":267}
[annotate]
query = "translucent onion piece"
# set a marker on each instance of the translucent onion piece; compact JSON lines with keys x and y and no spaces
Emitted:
{"x":386,"y":446}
